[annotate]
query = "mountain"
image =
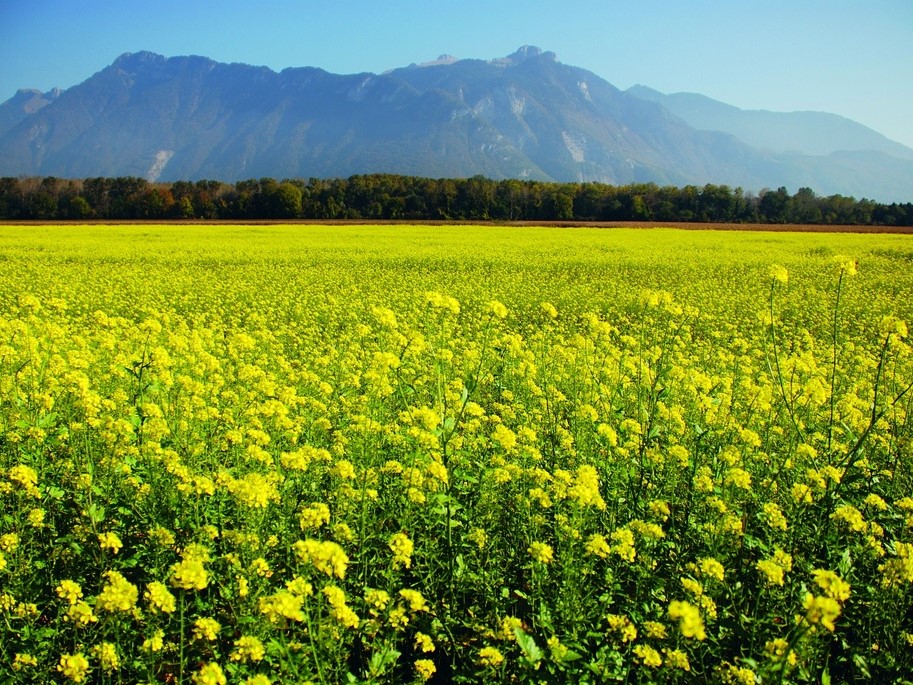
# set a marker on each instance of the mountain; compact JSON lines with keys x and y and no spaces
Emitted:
{"x":526,"y":115}
{"x":24,"y":103}
{"x":808,"y":133}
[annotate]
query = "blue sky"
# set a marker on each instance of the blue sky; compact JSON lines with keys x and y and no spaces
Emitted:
{"x":849,"y":57}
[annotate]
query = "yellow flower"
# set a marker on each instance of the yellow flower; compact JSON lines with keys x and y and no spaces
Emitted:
{"x":689,"y":617}
{"x":206,"y":629}
{"x":508,"y":626}
{"x":415,"y":600}
{"x":399,"y":618}
{"x":558,"y":651}
{"x":118,"y":594}
{"x":876,"y":502}
{"x":159,"y":598}
{"x":738,"y":478}
{"x":623,"y":626}
{"x":258,"y":679}
{"x":36,"y":518}
{"x":110,"y":541}
{"x":69,"y":590}
{"x":692,"y":586}
{"x":254,"y":490}
{"x":833,"y":585}
{"x":737,"y":675}
{"x":660,"y":508}
{"x":847,"y":265}
{"x":823,"y":610}
{"x":384,"y":316}
{"x":74,"y":667}
{"x":299,"y":586}
{"x":326,"y":556}
{"x":541,"y":552}
{"x":26,"y":477}
{"x":648,"y":656}
{"x":703,"y":480}
{"x":598,"y":546}
{"x":772,"y":571}
{"x":774,"y":516}
{"x":505,"y":437}
{"x":343,"y":469}
{"x":209,"y":674}
{"x":490,"y":657}
{"x":851,"y":517}
{"x":497,"y":309}
{"x":777,"y":650}
{"x":623,"y":544}
{"x":341,"y":611}
{"x":162,"y":536}
{"x":155,"y":643}
{"x":779,"y":274}
{"x":106,"y":653}
{"x":711,"y":567}
{"x":21,"y":661}
{"x":282,"y":605}
{"x":655,"y":630}
{"x":424,"y":643}
{"x":675,"y":658}
{"x":189,"y":574}
{"x":899,"y":569}
{"x":479,"y":537}
{"x":248,"y":648}
{"x":81,"y":614}
{"x":424,"y":668}
{"x":401,"y":546}
{"x":314,"y":516}
{"x":9,"y":542}
{"x":586,"y":488}
{"x":377,"y":599}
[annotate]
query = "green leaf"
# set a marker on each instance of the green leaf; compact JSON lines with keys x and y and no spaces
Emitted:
{"x":862,"y":665}
{"x":95,"y":513}
{"x":381,"y":660}
{"x":528,"y":645}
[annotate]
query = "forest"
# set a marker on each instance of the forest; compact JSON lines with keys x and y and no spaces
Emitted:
{"x":394,"y":197}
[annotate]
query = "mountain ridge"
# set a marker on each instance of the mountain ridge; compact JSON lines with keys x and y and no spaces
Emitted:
{"x":526,"y":115}
{"x":803,"y":131}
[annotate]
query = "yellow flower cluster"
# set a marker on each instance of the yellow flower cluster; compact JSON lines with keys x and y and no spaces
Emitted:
{"x":401,"y":546}
{"x":326,"y":556}
{"x":118,"y":594}
{"x":190,"y":573}
{"x":689,"y":619}
{"x":338,"y":607}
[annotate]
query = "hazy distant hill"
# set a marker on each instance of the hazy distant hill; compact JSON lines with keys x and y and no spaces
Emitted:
{"x":522,"y":116}
{"x":810,"y":133}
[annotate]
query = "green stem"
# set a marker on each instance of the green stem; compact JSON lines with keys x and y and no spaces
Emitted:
{"x":779,"y":372}
{"x":830,"y":424}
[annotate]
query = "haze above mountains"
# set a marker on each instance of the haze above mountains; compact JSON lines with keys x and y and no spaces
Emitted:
{"x":526,"y":115}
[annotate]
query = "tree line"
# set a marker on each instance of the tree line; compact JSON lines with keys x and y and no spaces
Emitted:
{"x":389,"y":196}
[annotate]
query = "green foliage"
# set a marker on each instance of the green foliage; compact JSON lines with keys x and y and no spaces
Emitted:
{"x":387,"y":196}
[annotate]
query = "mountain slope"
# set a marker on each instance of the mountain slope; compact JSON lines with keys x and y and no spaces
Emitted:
{"x":522,"y":116}
{"x":23,"y":104}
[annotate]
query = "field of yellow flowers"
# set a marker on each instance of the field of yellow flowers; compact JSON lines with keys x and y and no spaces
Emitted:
{"x":366,"y":454}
